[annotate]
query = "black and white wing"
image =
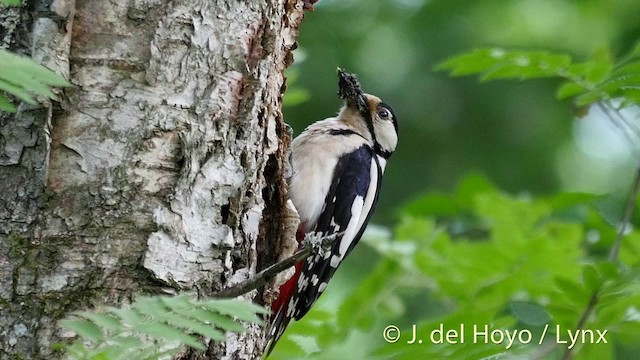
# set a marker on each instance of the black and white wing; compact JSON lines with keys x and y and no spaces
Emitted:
{"x":348,"y":207}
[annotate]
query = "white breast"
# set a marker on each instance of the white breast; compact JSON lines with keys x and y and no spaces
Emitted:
{"x":315,"y":155}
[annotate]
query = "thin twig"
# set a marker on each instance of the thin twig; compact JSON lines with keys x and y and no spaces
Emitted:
{"x":611,"y":113}
{"x":626,"y":218}
{"x":308,"y":248}
{"x":613,"y":254}
{"x":593,"y":301}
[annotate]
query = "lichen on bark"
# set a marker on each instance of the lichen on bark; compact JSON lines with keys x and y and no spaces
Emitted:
{"x":155,"y":172}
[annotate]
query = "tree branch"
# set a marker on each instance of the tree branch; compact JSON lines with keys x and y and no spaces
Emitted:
{"x":312,"y":245}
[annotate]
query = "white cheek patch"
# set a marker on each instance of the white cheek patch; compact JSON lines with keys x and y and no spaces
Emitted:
{"x":386,"y":135}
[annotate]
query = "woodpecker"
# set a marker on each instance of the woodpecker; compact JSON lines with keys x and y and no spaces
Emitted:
{"x":337,"y":172}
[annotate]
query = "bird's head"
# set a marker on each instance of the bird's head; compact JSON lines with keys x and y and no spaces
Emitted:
{"x":368,"y":112}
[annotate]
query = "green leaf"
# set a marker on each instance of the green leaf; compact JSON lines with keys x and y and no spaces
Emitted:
{"x":569,"y":89}
{"x":471,"y":186}
{"x":632,"y":54}
{"x":6,"y":105}
{"x":221,"y":321}
{"x":167,"y":332}
{"x":126,"y":341}
{"x":529,"y":313}
{"x":474,"y":62}
{"x":242,"y":310}
{"x":155,"y":327}
{"x":307,"y":344}
{"x":12,"y":2}
{"x":107,"y":322}
{"x":593,"y":71}
{"x":502,"y":64}
{"x":563,"y":201}
{"x":17,"y":91}
{"x":590,"y":97}
{"x":20,"y":76}
{"x":128,"y":316}
{"x":194,"y":325}
{"x":83,"y":328}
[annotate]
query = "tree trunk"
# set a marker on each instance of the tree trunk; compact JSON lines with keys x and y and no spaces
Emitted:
{"x":160,"y":170}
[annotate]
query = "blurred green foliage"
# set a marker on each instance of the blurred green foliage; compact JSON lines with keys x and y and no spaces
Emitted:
{"x":155,"y":327}
{"x":514,"y":132}
{"x":486,"y":258}
{"x":22,"y":77}
{"x":474,"y":254}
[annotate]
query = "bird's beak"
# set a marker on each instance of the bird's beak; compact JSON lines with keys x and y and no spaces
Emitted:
{"x":350,"y":91}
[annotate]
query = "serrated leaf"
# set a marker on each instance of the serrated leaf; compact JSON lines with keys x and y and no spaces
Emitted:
{"x":167,"y":354}
{"x":633,"y":53}
{"x":566,"y":200}
{"x":569,"y":89}
{"x":20,"y":75}
{"x":592,"y":72}
{"x":195,"y":325}
{"x":242,"y":310}
{"x":152,"y":306}
{"x":183,"y":306}
{"x":502,"y":64}
{"x":17,"y":91}
{"x":101,"y":320}
{"x":529,"y":313}
{"x":631,"y":68}
{"x":474,"y":62}
{"x":631,"y":96}
{"x":83,"y":328}
{"x":617,"y":84}
{"x":129,"y":316}
{"x":27,"y":81}
{"x":222,"y":321}
{"x":307,"y":344}
{"x":153,"y":352}
{"x":167,"y":332}
{"x":591,"y":97}
{"x":126,"y":341}
{"x":514,"y":71}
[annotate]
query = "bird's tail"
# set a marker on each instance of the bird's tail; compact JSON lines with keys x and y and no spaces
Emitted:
{"x":278,"y":324}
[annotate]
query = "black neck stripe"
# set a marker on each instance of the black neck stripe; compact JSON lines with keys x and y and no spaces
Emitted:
{"x":369,"y":121}
{"x":342,"y":132}
{"x":377,"y":149}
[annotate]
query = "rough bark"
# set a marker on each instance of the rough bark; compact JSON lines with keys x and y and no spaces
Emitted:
{"x":160,"y":170}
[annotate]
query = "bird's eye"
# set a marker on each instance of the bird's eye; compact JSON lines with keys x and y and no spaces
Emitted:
{"x":383,"y":113}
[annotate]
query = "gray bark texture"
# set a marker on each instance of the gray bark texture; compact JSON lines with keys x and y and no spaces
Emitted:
{"x":160,"y":170}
